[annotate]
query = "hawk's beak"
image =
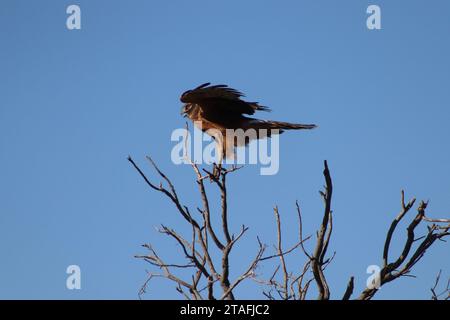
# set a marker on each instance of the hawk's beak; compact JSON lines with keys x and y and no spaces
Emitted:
{"x":183,"y":112}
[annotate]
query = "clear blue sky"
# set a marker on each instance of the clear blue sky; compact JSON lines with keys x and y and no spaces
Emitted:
{"x":74,"y":104}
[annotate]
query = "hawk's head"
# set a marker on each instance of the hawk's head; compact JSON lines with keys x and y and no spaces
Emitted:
{"x":183,"y":97}
{"x":194,"y":95}
{"x":187,"y":107}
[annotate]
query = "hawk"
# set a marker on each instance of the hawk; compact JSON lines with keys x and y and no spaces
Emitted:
{"x":217,"y":109}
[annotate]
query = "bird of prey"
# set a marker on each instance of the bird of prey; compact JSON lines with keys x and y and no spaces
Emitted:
{"x":216,"y":108}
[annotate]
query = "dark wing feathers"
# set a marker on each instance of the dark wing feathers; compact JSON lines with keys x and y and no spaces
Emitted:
{"x":220,"y":98}
{"x":203,"y":85}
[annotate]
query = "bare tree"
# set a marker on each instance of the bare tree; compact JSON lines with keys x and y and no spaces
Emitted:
{"x":444,"y":293}
{"x":210,"y":277}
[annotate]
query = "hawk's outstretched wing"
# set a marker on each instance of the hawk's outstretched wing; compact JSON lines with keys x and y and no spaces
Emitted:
{"x":220,"y":108}
{"x":220,"y":101}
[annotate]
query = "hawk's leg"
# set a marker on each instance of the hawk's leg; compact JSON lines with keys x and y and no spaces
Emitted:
{"x":216,"y":171}
{"x":220,"y":148}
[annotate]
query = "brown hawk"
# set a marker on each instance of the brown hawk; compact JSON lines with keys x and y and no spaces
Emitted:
{"x":216,"y":108}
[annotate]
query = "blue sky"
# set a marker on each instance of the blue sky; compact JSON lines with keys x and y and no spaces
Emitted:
{"x":75,"y":104}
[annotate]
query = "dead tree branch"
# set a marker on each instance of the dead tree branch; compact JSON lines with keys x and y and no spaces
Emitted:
{"x":199,"y":258}
{"x":445,"y":293}
{"x":208,"y":275}
{"x":403,"y":265}
{"x":323,"y":239}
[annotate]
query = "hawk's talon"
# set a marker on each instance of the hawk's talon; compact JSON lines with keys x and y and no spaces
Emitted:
{"x":217,"y":171}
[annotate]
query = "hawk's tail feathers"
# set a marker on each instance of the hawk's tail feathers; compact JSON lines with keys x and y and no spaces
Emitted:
{"x":261,"y":124}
